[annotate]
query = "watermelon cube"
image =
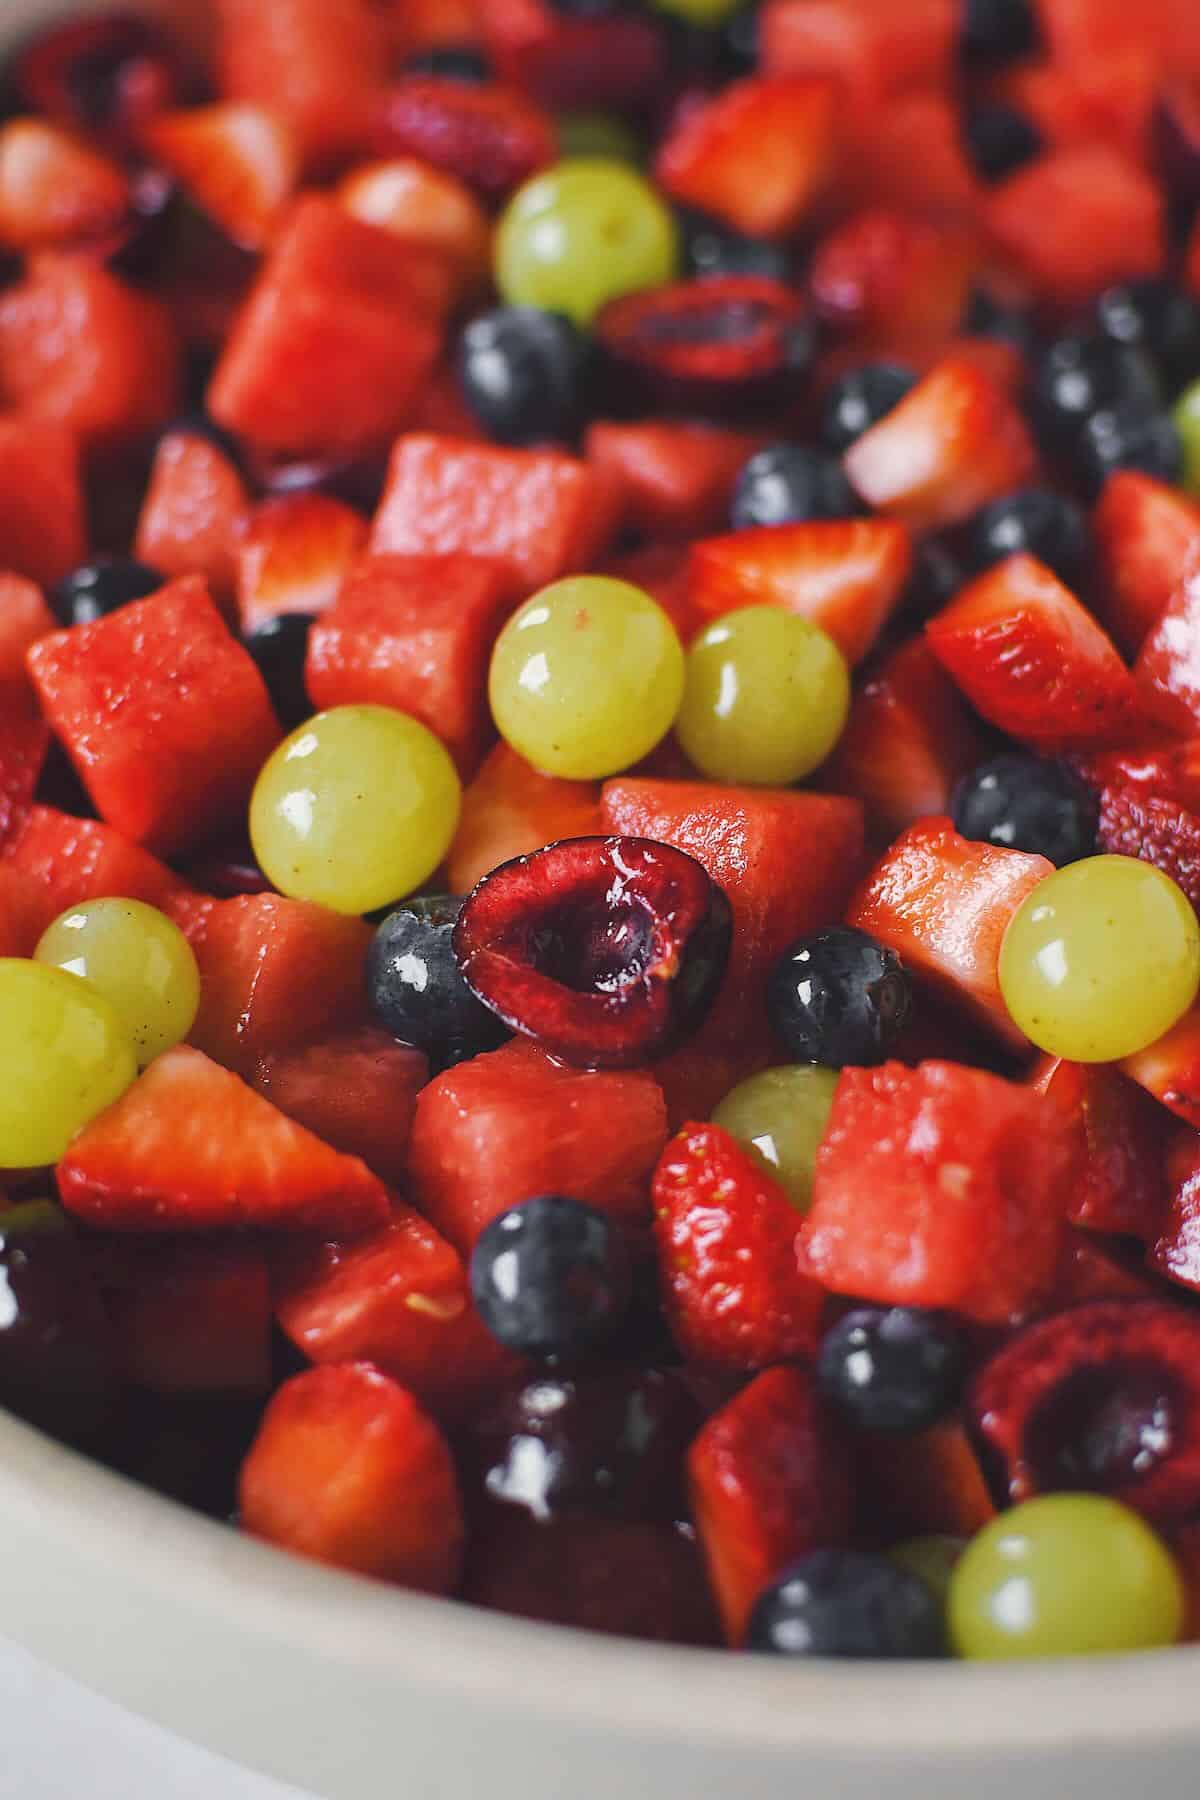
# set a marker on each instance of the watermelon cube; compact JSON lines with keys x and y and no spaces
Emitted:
{"x":320,"y":63}
{"x":355,"y":1089}
{"x":63,"y":861}
{"x":192,"y":512}
{"x":43,"y":532}
{"x":189,"y":1317}
{"x":510,"y":809}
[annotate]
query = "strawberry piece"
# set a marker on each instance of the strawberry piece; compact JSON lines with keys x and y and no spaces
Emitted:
{"x":24,"y":741}
{"x":940,"y":1186}
{"x":357,"y":1091}
{"x":24,"y":618}
{"x":1034,"y":662}
{"x":510,"y":809}
{"x":786,"y":862}
{"x":872,"y":51}
{"x":1168,"y":668}
{"x":929,"y":1484}
{"x":189,"y":1318}
{"x":320,"y":63}
{"x":21,"y":913}
{"x":846,"y":575}
{"x":677,"y":476}
{"x":726,"y":1235}
{"x":65,"y":860}
{"x":573,"y":62}
{"x":769,"y":1481}
{"x":165,"y":716}
{"x":347,"y":1469}
{"x":951,"y":445}
{"x":1167,"y":771}
{"x":238,"y":162}
{"x":1134,"y":822}
{"x":42,"y":527}
{"x":907,"y":741}
{"x":55,"y":190}
{"x":335,"y":340}
{"x":293,"y":555}
{"x":1170,"y":1068}
{"x":1120,"y":1185}
{"x":430,"y":210}
{"x":1076,"y":29}
{"x":415,"y":633}
{"x":491,"y":137}
{"x":756,"y":156}
{"x":943,"y":905}
{"x":541,"y":513}
{"x":1107,"y":97}
{"x":81,"y":349}
{"x":189,"y":1147}
{"x":400,"y":1299}
{"x":512,"y":1124}
{"x":1175,"y":1252}
{"x":192,"y":512}
{"x":887,"y":278}
{"x":1146,"y":534}
{"x":1075,"y":220}
{"x":908,"y":155}
{"x":275,"y":974}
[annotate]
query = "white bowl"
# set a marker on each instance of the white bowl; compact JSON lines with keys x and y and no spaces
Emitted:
{"x":361,"y":1692}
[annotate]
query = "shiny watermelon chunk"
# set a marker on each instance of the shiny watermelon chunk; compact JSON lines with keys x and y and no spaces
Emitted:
{"x":43,"y":533}
{"x":510,"y":809}
{"x":192,"y":512}
{"x":355,"y":1089}
{"x":320,"y":63}
{"x":64,"y":860}
{"x":677,"y":476}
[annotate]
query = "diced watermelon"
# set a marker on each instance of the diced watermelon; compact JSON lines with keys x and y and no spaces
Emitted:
{"x":356,"y":1089}
{"x":24,"y":618}
{"x":676,"y":476}
{"x":540,"y":512}
{"x":940,"y":1186}
{"x":42,"y":526}
{"x":1147,"y":536}
{"x":21,"y":913}
{"x":238,"y":162}
{"x":908,"y":154}
{"x":943,"y":905}
{"x":189,"y":1317}
{"x":66,"y":860}
{"x":1168,"y":665}
{"x":321,"y":63}
{"x":871,"y":50}
{"x":1107,"y":97}
{"x":400,"y":1299}
{"x":510,"y":809}
{"x":192,"y":512}
{"x":165,"y":716}
{"x":24,"y":741}
{"x":415,"y":633}
{"x":293,"y":554}
{"x":55,"y":190}
{"x":189,"y":1147}
{"x":512,"y":1124}
{"x":1120,"y":1184}
{"x":756,"y":155}
{"x":432,"y":212}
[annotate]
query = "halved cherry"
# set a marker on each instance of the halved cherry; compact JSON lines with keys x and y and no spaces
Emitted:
{"x":605,"y":951}
{"x":107,"y":74}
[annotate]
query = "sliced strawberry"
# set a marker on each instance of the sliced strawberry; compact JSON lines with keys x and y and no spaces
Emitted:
{"x":492,"y":137}
{"x":165,"y":716}
{"x":769,"y":1481}
{"x":415,"y":633}
{"x":1119,"y":1185}
{"x":67,"y":860}
{"x":943,"y":905}
{"x":189,"y":1147}
{"x":321,"y":63}
{"x":24,"y":741}
{"x":81,"y":349}
{"x":940,"y":1186}
{"x":846,"y":575}
{"x":513,"y":1124}
{"x":1146,"y":536}
{"x":294,"y":553}
{"x":1134,"y":822}
{"x":908,"y":740}
{"x":428,"y":209}
{"x":1034,"y":662}
{"x":42,"y":525}
{"x":357,"y":1090}
{"x":756,"y":156}
{"x":189,"y":1317}
{"x":951,"y":445}
{"x":1169,"y":771}
{"x":56,"y":191}
{"x":348,"y":1470}
{"x":924,"y":1485}
{"x":542,"y":513}
{"x":192,"y":512}
{"x":889,"y":278}
{"x":571,"y":61}
{"x":726,"y":1237}
{"x":1170,"y":1068}
{"x":400,"y":1299}
{"x":677,"y":476}
{"x":872,"y":51}
{"x":275,"y":974}
{"x":1075,"y":220}
{"x":1168,"y":666}
{"x":1176,"y":1251}
{"x":238,"y":162}
{"x":510,"y":809}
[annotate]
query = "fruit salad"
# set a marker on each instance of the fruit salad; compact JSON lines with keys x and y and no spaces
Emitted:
{"x":600,"y":802}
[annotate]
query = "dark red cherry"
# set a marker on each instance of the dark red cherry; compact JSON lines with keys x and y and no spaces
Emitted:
{"x":107,"y":75}
{"x":1103,"y":1398}
{"x":55,"y":1356}
{"x":603,"y":950}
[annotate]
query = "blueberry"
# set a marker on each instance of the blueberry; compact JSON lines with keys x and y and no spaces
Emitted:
{"x":280,"y":648}
{"x":1129,"y":436}
{"x":711,"y":248}
{"x":997,"y":31}
{"x":1026,"y":803}
{"x":415,"y":989}
{"x":788,"y":483}
{"x":847,"y":1603}
{"x":1080,"y":375}
{"x":892,"y":1369}
{"x":551,"y":1278}
{"x":860,"y":398}
{"x":839,"y":997}
{"x":522,"y":372}
{"x":1034,"y":520}
{"x":450,"y":62}
{"x":99,"y":588}
{"x":1157,"y":317}
{"x":1000,"y":139}
{"x":938,"y":574}
{"x":988,"y":317}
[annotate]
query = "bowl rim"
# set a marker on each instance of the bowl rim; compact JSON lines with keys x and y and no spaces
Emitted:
{"x":581,"y":1679}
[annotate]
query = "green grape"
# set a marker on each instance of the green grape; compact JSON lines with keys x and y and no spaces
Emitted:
{"x":1187,"y":423}
{"x":598,"y":134}
{"x":138,"y":960}
{"x":1100,"y":959}
{"x":586,"y":677}
{"x":1067,"y":1575}
{"x":932,"y":1560}
{"x":581,"y":234}
{"x":65,"y":1055}
{"x":356,"y":809}
{"x":781,"y":1115}
{"x":700,"y":12}
{"x":765,"y":699}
